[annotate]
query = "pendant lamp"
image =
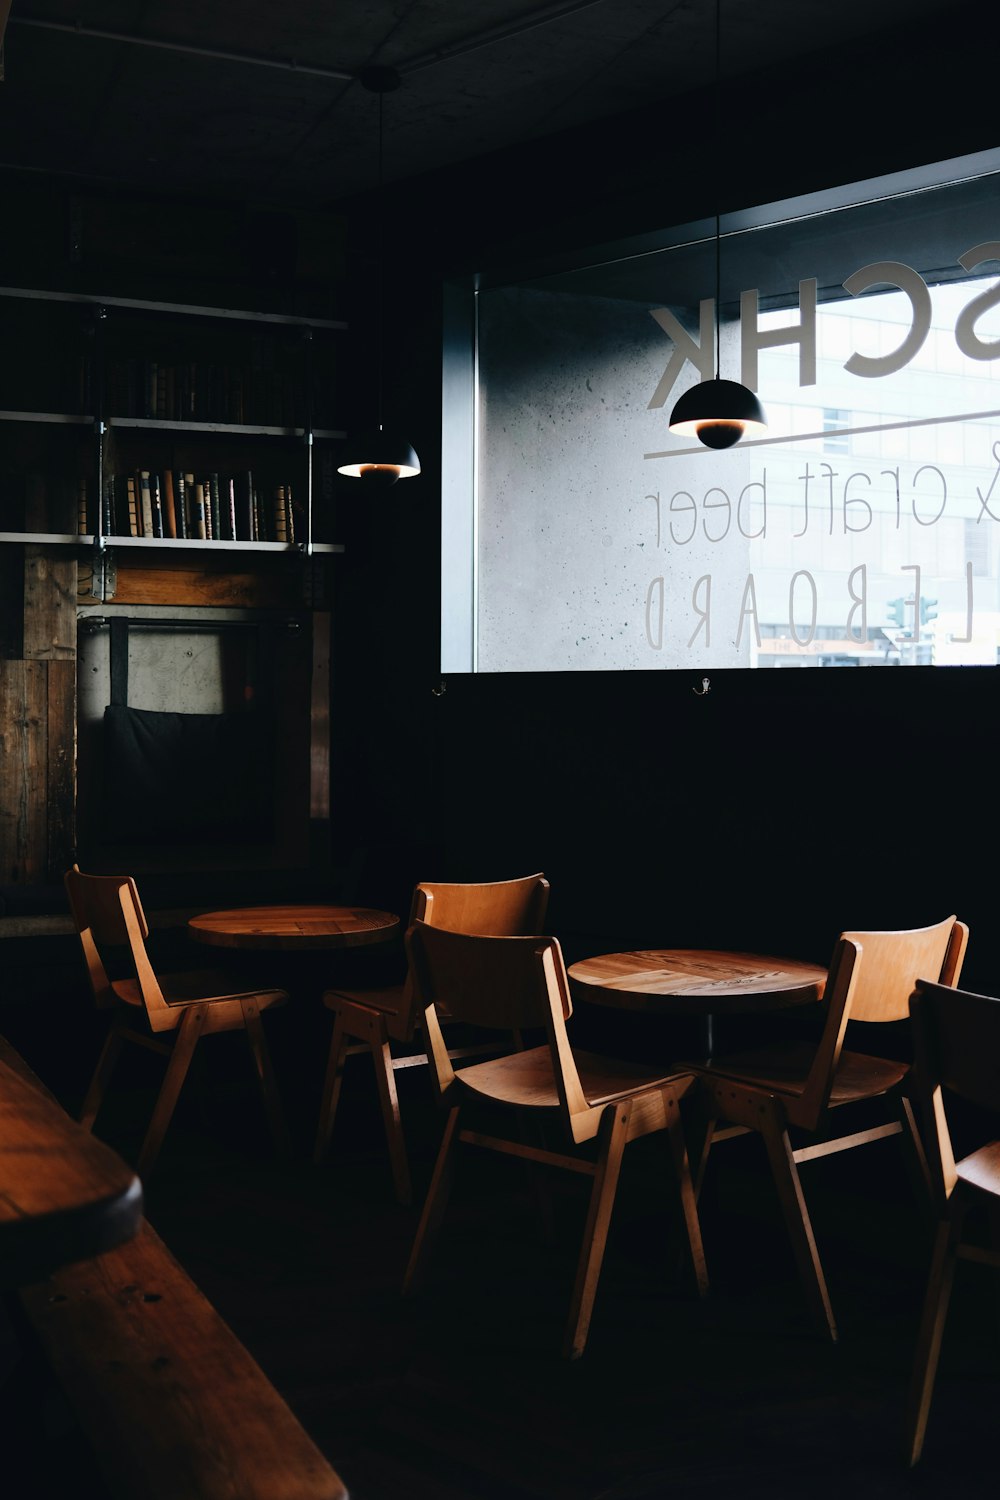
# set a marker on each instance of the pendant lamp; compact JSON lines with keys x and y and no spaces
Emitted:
{"x":379,"y":456}
{"x":718,"y":412}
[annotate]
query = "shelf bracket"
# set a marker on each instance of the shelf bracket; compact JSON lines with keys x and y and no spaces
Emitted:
{"x":103,"y":573}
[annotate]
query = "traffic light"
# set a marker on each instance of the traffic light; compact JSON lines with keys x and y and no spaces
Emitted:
{"x":928,"y":610}
{"x":895,"y":608}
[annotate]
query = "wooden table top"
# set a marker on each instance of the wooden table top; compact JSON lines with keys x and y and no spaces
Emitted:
{"x":64,"y":1195}
{"x":698,"y":981}
{"x":294,"y":926}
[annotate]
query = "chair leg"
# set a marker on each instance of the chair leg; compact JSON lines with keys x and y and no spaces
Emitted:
{"x":702,"y":1127}
{"x":110,"y":1053}
{"x":612,"y":1136}
{"x":253,"y":1027}
{"x":688,"y":1197}
{"x":914,"y":1158}
{"x":331,"y":1090}
{"x":190,"y":1029}
{"x":388,"y":1098}
{"x":932,"y":1321}
{"x":793,"y":1204}
{"x":434,"y":1205}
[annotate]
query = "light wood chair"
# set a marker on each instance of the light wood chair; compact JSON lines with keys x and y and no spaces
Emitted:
{"x":376,"y":1019}
{"x":956,"y":1049}
{"x":796,"y":1085}
{"x":519,"y":985}
{"x":167,"y":1014}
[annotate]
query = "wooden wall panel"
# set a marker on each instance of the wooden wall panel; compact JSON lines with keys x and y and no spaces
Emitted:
{"x":38,"y":726}
{"x":23,"y":762}
{"x":50,"y":582}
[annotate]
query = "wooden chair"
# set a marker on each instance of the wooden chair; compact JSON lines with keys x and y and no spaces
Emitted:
{"x":172,"y":1012}
{"x":519,"y":984}
{"x":378,"y":1018}
{"x":956,"y":1048}
{"x":796,"y":1085}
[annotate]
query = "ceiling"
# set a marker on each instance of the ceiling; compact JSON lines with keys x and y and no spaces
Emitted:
{"x":248,"y":99}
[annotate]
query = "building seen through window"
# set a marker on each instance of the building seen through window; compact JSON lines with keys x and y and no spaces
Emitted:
{"x":862,"y":529}
{"x":902,"y":489}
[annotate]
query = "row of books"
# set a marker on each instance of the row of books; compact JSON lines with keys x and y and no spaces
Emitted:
{"x":174,"y":503}
{"x":195,"y":391}
{"x":199,"y":391}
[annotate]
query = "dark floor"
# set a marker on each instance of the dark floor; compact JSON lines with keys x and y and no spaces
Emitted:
{"x":461,"y":1393}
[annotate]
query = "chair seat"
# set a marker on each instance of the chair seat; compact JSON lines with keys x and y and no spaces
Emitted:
{"x":388,"y":1001}
{"x":526,"y":1079}
{"x":211,"y":986}
{"x":784,"y":1067}
{"x":981,"y":1169}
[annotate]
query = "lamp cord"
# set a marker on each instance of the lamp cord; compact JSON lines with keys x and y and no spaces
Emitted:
{"x":718,"y":230}
{"x":379,"y":245}
{"x":718,"y":300}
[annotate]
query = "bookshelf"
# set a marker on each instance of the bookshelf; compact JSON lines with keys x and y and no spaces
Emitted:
{"x":123,"y":386}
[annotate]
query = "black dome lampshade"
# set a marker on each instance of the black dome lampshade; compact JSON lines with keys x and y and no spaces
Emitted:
{"x":718,"y":412}
{"x":377,"y":456}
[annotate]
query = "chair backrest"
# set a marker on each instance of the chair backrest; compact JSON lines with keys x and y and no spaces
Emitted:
{"x":871,"y":977}
{"x":499,"y":984}
{"x":838,"y":997}
{"x":499,"y":908}
{"x":107,"y":913}
{"x":893,"y":961}
{"x":956,"y":1040}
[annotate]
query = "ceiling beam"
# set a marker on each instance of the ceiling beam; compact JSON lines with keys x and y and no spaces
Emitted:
{"x":289,"y":65}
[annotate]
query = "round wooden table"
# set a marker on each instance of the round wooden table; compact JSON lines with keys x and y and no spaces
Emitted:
{"x":294,"y":927}
{"x":703,"y":982}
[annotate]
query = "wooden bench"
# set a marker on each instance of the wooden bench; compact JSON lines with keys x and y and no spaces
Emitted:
{"x":64,"y":1195}
{"x":168,"y":1398}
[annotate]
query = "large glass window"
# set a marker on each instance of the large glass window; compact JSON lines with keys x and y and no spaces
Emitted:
{"x":862,"y":530}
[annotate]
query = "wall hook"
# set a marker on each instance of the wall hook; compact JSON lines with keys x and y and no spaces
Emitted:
{"x":440,"y":689}
{"x":705,"y":686}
